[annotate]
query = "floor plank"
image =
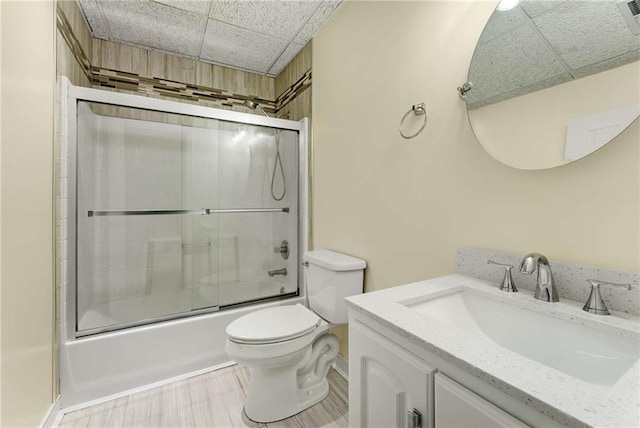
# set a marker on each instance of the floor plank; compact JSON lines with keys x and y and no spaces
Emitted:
{"x":330,"y":412}
{"x":213,"y":399}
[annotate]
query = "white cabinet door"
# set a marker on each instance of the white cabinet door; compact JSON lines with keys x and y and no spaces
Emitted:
{"x":458,"y":407}
{"x":386,"y":382}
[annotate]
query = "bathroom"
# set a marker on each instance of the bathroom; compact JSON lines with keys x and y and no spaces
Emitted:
{"x":404,"y":206}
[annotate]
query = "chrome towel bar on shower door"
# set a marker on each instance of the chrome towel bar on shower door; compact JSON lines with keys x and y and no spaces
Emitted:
{"x":203,"y":211}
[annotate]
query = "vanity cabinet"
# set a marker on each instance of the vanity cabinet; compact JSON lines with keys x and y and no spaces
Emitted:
{"x":388,"y":387}
{"x":456,"y":406}
{"x":389,"y":378}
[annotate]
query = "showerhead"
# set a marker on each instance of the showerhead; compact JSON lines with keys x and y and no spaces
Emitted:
{"x":278,"y":161}
{"x":254,"y":106}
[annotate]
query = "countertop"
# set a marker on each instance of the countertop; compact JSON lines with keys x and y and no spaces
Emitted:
{"x":564,"y":398}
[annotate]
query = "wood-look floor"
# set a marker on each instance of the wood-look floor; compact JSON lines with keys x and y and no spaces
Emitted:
{"x":214,"y":399}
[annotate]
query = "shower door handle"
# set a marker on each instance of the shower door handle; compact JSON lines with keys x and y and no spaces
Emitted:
{"x":92,"y":213}
{"x":203,"y":211}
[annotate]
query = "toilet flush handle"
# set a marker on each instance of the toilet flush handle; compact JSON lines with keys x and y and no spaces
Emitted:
{"x":414,"y":419}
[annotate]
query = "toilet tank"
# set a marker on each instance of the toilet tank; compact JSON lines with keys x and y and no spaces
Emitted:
{"x":330,"y":278}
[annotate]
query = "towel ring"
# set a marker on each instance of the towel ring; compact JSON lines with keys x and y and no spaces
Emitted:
{"x":418,"y":110}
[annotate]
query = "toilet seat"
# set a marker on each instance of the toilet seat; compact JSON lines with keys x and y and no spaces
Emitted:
{"x":273,"y":325}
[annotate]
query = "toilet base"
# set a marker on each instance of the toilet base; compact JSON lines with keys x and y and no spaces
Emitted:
{"x":276,"y":393}
{"x":257,"y":412}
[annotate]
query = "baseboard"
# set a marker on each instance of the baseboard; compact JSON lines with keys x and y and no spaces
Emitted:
{"x":341,"y":365}
{"x":101,"y":400}
{"x":51,"y":418}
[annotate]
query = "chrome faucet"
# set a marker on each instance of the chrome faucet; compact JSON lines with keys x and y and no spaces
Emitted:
{"x":282,"y":271}
{"x":545,"y":285}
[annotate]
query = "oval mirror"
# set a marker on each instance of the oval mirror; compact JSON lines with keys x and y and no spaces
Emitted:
{"x":553,"y":81}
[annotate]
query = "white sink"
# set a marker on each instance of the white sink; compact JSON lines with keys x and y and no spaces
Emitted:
{"x":583,"y":352}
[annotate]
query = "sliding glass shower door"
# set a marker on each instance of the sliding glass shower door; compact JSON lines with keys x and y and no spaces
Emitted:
{"x":180,"y":215}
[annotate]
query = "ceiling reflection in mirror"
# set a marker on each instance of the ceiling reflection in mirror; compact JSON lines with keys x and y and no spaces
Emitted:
{"x":561,"y":75}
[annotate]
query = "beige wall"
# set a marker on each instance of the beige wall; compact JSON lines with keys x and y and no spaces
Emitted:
{"x":1,"y":213}
{"x":406,"y":206}
{"x":28,"y":35}
{"x":542,"y":130}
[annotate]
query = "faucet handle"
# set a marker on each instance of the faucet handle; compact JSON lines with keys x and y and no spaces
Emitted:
{"x":597,"y":282}
{"x":507,"y":282}
{"x":595,"y":304}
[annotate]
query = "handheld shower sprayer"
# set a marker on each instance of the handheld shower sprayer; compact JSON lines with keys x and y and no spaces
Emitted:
{"x":278,"y":160}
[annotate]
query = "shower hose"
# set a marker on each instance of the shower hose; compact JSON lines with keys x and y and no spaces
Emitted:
{"x":278,"y":162}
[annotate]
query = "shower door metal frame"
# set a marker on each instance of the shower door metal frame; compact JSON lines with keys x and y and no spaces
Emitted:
{"x":69,"y":146}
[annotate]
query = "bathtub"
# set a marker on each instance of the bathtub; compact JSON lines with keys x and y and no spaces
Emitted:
{"x":112,"y":363}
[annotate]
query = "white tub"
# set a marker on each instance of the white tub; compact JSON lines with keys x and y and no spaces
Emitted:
{"x":111,"y":363}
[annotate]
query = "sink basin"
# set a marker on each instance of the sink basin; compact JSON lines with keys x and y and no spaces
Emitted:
{"x":583,"y":352}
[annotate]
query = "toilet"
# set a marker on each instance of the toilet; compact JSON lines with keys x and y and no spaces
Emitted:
{"x":289,"y":349}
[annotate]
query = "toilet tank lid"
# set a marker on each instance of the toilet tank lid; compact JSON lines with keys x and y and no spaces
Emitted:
{"x":335,"y":261}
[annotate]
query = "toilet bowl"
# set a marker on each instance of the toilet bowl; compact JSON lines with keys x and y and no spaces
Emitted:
{"x":289,"y":349}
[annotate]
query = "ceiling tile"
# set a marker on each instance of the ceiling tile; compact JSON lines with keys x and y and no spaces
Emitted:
{"x":475,"y":102}
{"x":97,"y":25}
{"x":227,"y":44}
{"x":516,"y":59}
{"x":196,"y":6}
{"x":154,"y":25}
{"x":608,"y":64}
{"x":317,"y":20}
{"x":598,"y":32}
{"x":285,"y":58}
{"x":502,"y":21}
{"x":256,"y":35}
{"x":281,"y":19}
{"x":537,"y":7}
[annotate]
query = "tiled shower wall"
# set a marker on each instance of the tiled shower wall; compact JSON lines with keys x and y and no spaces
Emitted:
{"x":293,"y":86}
{"x":125,"y":68}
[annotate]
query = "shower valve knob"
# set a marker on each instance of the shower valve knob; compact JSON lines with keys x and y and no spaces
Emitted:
{"x":283,"y":249}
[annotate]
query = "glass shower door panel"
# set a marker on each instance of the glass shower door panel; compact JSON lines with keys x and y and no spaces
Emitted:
{"x":200,"y":163}
{"x":249,"y":267}
{"x":177,"y":214}
{"x":247,"y":256}
{"x":134,"y":263}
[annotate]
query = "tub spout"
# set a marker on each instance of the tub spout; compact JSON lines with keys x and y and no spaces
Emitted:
{"x":282,"y":271}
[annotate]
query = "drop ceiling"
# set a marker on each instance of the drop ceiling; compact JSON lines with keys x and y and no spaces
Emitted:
{"x":261,"y":36}
{"x":542,"y":43}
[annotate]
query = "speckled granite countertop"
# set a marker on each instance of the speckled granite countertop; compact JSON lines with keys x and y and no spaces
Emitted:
{"x":564,"y":398}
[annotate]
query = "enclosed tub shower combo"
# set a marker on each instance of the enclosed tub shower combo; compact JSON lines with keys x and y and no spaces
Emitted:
{"x":175,"y":219}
